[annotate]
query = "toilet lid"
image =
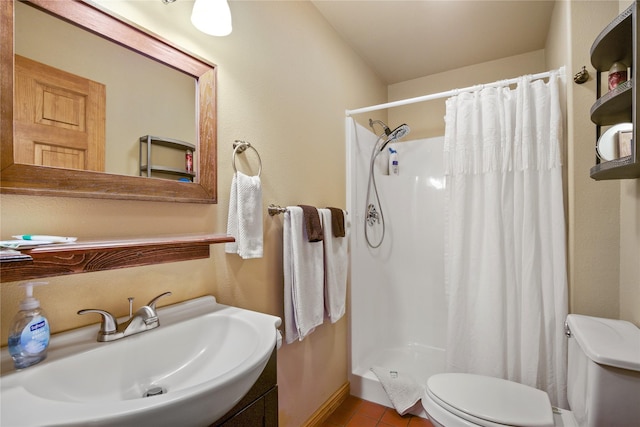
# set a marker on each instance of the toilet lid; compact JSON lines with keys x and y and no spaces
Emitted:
{"x":478,"y":398}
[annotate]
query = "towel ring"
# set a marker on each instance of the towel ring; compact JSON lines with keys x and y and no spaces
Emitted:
{"x":240,"y":147}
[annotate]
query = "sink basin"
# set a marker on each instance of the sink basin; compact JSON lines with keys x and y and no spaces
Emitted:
{"x":190,"y":371}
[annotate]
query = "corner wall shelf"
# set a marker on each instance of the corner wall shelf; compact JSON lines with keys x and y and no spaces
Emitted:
{"x":613,"y":106}
{"x":618,"y":42}
{"x":99,"y":255}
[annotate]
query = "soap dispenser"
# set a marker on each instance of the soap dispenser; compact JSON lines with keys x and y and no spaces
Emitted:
{"x":29,"y":335}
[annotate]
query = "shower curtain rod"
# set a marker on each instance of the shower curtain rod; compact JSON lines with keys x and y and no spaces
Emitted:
{"x":453,"y":92}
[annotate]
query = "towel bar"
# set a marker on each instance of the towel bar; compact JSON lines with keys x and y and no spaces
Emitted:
{"x":240,"y":147}
{"x":275,"y":210}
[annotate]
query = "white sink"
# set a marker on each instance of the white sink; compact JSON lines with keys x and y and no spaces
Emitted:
{"x":204,"y":358}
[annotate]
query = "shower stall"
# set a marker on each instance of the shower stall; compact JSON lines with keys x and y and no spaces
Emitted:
{"x":398,"y":317}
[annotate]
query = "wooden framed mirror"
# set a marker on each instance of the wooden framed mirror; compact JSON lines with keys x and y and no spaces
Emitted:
{"x":28,"y":179}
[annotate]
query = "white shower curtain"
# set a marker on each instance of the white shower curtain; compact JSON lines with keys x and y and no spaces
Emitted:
{"x":505,"y":237}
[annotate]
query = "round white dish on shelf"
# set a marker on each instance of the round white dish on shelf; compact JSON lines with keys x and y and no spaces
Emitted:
{"x":607,"y":146}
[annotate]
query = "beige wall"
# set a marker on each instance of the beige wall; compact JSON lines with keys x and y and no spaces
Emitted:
{"x":629,"y":242}
{"x":630,"y":251}
{"x":285,"y":80}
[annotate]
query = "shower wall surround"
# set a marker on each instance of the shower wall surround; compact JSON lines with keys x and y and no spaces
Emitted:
{"x":398,"y":306}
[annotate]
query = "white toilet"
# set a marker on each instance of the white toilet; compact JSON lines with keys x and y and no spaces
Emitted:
{"x":603,"y":386}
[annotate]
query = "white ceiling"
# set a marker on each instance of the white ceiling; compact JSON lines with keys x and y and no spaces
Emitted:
{"x":403,"y":40}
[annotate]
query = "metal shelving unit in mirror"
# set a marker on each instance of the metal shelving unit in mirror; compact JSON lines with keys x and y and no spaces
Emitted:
{"x":618,"y":42}
{"x":146,"y":167}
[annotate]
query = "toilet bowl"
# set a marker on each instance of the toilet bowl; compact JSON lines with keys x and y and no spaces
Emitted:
{"x":603,"y":385}
{"x":467,"y":400}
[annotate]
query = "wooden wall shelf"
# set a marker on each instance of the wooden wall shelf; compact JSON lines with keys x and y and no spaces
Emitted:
{"x":99,"y":255}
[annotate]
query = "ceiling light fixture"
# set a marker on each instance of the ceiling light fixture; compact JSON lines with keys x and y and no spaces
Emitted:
{"x":212,"y":17}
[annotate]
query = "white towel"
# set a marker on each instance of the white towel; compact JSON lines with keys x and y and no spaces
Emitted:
{"x":244,"y":222}
{"x":303,"y":278}
{"x":335,"y":268}
{"x":403,"y":391}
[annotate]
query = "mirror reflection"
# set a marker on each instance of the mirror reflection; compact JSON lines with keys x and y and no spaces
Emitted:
{"x":128,"y":96}
{"x":21,"y":177}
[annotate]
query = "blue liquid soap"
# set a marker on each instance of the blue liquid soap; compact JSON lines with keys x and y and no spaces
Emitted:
{"x":29,"y":335}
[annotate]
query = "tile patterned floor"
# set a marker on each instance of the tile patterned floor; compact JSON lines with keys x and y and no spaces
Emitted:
{"x":355,"y":412}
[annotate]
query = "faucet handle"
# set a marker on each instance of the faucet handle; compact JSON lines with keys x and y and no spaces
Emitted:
{"x":109,"y":323}
{"x":152,"y":303}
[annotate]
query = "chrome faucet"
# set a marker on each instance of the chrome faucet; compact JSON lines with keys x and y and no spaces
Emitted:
{"x":144,"y":319}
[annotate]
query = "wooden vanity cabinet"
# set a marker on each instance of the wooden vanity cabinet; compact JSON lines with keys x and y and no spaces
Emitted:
{"x":259,"y":408}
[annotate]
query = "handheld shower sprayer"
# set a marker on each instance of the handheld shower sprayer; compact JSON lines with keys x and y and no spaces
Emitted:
{"x":392,"y":135}
{"x":374,"y":215}
{"x":399,"y":132}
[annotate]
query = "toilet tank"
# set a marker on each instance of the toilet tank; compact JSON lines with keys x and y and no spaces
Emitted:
{"x":603,"y":378}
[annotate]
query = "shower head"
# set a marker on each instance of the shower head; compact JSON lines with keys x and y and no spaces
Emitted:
{"x":394,"y":135}
{"x":400,"y":132}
